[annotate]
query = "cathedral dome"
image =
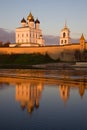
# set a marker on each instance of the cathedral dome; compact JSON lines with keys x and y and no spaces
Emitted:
{"x":37,"y":21}
{"x":23,"y":21}
{"x":30,"y":17}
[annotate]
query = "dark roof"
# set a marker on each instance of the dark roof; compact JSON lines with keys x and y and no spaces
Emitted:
{"x":37,"y":21}
{"x":82,"y":37}
{"x":23,"y":21}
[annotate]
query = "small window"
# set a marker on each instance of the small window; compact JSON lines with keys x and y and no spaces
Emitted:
{"x":22,"y":35}
{"x":36,"y":35}
{"x":65,"y":41}
{"x":61,"y":41}
{"x":27,"y":35}
{"x":26,"y":40}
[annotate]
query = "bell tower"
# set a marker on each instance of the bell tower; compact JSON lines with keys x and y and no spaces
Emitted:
{"x":65,"y":36}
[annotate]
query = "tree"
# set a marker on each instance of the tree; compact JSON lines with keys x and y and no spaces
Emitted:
{"x":1,"y":44}
{"x":77,"y":55}
{"x":6,"y":44}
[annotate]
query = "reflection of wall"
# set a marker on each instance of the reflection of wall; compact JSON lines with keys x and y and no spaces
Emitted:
{"x":29,"y":95}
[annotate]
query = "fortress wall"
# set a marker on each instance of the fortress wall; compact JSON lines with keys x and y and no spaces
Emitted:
{"x":55,"y":52}
{"x":42,"y":50}
{"x":28,"y":50}
{"x":72,"y":47}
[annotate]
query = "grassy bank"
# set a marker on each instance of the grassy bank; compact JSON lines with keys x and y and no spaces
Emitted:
{"x":24,"y":60}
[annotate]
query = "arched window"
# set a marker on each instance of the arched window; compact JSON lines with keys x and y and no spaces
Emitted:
{"x":61,"y":41}
{"x":26,"y":40}
{"x":64,"y":35}
{"x":22,"y":35}
{"x":36,"y":35}
{"x":18,"y":35}
{"x":65,"y":41}
{"x":27,"y":35}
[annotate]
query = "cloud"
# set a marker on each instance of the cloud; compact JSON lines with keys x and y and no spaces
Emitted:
{"x":51,"y":40}
{"x":6,"y":36}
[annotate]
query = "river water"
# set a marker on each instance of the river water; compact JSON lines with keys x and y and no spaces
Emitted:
{"x":43,"y":99}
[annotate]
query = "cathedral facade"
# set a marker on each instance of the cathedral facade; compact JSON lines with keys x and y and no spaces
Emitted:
{"x":29,"y":34}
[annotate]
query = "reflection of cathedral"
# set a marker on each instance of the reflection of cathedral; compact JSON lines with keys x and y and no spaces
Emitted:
{"x":64,"y":92}
{"x":29,"y":95}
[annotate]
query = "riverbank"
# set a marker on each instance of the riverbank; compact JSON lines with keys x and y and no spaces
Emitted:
{"x":36,"y":61}
{"x":24,"y":60}
{"x":46,"y":66}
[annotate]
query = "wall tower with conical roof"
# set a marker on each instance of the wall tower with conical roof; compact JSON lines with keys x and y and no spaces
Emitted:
{"x":82,"y":43}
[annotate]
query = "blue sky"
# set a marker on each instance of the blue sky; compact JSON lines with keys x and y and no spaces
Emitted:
{"x":51,"y":13}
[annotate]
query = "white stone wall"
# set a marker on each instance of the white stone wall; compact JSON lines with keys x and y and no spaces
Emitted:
{"x":22,"y":35}
{"x":27,"y":35}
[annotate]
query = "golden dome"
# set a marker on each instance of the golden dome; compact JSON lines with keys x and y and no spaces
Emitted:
{"x":30,"y":17}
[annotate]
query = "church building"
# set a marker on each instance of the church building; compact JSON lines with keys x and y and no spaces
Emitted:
{"x":29,"y":34}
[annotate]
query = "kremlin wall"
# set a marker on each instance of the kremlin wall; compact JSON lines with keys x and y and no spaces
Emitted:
{"x":54,"y":52}
{"x":29,"y":40}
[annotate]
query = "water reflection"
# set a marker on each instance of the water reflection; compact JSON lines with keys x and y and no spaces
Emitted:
{"x":28,"y":90}
{"x":65,"y":91}
{"x":21,"y":96}
{"x":29,"y":94}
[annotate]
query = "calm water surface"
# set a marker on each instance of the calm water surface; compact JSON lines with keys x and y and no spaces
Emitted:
{"x":41,"y":100}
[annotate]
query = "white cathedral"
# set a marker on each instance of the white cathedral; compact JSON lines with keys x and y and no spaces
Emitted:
{"x":29,"y":34}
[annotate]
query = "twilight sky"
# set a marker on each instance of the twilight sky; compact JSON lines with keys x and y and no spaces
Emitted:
{"x":51,"y":13}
